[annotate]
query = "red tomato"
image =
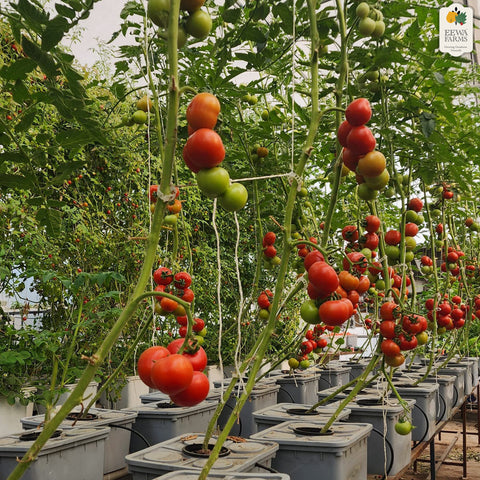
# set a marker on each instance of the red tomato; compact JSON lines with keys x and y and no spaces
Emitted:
{"x":146,"y":361}
{"x":360,"y":140}
{"x":429,"y":303}
{"x":395,"y":361}
{"x":371,"y":223}
{"x":204,"y":149}
{"x":335,"y":312}
{"x":354,"y":297}
{"x":263,"y":301}
{"x":393,"y":237}
{"x":350,"y":159}
{"x":389,"y":348}
{"x":172,"y":374}
{"x":387,"y":329}
{"x":356,"y":261}
{"x":202,"y":111}
{"x":182,"y":280}
{"x":342,"y":133}
{"x":313,"y":292}
{"x":407,"y":342}
{"x":363,"y":284}
{"x":415,"y":204}
{"x":323,"y":277}
{"x":162,"y":276}
{"x":411,"y":325}
{"x":369,"y":240}
{"x":269,"y":239}
{"x":411,"y":229}
{"x":389,"y":311}
{"x":197,"y":359}
{"x":358,"y":112}
{"x":195,"y":393}
{"x":348,"y":281}
{"x":311,"y":258}
{"x":199,"y":325}
{"x":350,"y":233}
{"x":187,"y":295}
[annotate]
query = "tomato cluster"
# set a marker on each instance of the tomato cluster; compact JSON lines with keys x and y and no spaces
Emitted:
{"x":197,"y":23}
{"x":263,"y":302}
{"x":400,"y":332}
{"x":204,"y":152}
{"x":182,"y":281}
{"x":315,"y":341}
{"x":359,"y":154}
{"x":269,"y":250}
{"x":173,"y":206}
{"x":449,"y":314}
{"x":178,"y":375}
{"x":371,"y":22}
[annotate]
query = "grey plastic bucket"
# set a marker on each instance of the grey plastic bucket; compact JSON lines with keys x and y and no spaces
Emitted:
{"x":169,"y":456}
{"x":338,"y":456}
{"x":77,"y":454}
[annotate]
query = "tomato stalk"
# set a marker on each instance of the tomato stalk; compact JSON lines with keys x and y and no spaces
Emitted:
{"x":258,"y":352}
{"x":343,"y":73}
{"x":99,"y":356}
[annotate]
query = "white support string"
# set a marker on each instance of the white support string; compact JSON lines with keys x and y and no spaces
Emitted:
{"x":264,"y":177}
{"x":294,"y":15}
{"x":219,"y":288}
{"x":240,"y":308}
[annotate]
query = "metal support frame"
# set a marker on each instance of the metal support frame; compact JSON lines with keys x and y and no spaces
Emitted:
{"x":435,"y":464}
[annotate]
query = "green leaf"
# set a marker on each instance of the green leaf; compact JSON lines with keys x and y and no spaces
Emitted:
{"x":14,"y":157}
{"x":253,"y":33}
{"x":65,"y":11}
{"x":73,"y":137}
{"x":18,"y":70}
{"x":17,"y":181}
{"x":427,"y":123}
{"x":54,"y":32}
{"x":27,"y":120}
{"x":44,"y":60}
{"x":51,"y":220}
{"x":31,"y":14}
{"x":285,"y":14}
{"x":20,"y":92}
{"x":232,"y":15}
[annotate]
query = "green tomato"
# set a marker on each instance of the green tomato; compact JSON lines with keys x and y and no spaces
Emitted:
{"x":363,"y":9}
{"x":389,"y":192}
{"x":411,"y":216}
{"x":426,"y":269}
{"x":422,"y":338}
{"x":303,"y":192}
{"x":234,"y":198}
{"x":403,"y":427}
{"x":304,"y":364}
{"x":170,"y":220}
{"x":139,"y":117}
{"x":379,"y":182}
{"x":263,"y":314}
{"x":366,"y":26}
{"x":252,"y":100}
{"x":199,"y":24}
{"x":276,"y":261}
{"x":410,"y":244}
{"x":393,"y":252}
{"x":293,"y":363}
{"x":203,"y":332}
{"x":380,"y":285}
{"x":420,"y":219}
{"x":366,"y":252}
{"x":365,"y":192}
{"x":309,"y":312}
{"x":372,"y":75}
{"x":379,"y":29}
{"x":157,"y":11}
{"x":409,"y":256}
{"x":213,"y":181}
{"x":200,"y":340}
{"x":265,"y":115}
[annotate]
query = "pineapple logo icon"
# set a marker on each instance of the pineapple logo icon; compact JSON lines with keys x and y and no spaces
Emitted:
{"x":457,"y":17}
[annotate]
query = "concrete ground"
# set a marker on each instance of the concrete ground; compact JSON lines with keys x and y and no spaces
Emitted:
{"x":452,"y":472}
